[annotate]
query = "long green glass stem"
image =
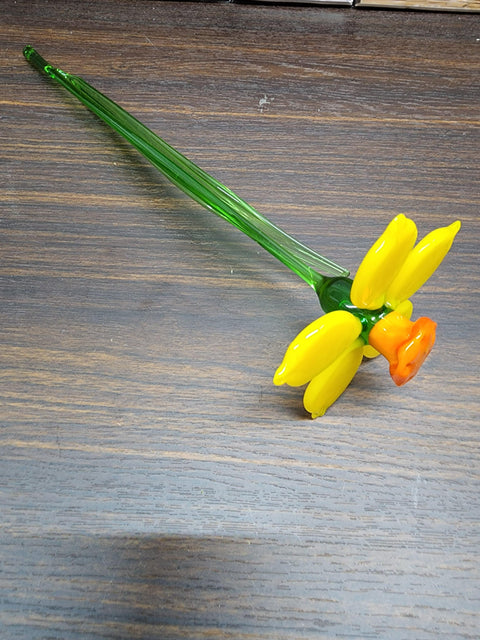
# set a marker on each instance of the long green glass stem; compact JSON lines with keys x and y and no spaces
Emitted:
{"x":196,"y":183}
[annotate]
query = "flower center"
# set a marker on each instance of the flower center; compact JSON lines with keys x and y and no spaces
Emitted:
{"x":404,"y":344}
{"x":335,"y":294}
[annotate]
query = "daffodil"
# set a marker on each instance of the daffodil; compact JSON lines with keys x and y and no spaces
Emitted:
{"x":368,"y":316}
{"x":364,"y":317}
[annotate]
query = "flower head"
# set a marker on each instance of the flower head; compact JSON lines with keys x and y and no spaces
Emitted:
{"x":373,"y":319}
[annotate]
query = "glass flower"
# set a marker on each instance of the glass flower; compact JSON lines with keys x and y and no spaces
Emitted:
{"x":372,"y":316}
{"x":364,"y":317}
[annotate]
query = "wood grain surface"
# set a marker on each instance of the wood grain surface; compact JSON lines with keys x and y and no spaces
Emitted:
{"x":434,"y":5}
{"x":153,"y":482}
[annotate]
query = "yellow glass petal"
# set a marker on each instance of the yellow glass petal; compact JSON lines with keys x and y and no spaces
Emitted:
{"x":382,"y":263}
{"x":421,"y":262}
{"x":405,"y":309}
{"x":317,"y":346}
{"x":370,"y":352}
{"x":328,"y":385}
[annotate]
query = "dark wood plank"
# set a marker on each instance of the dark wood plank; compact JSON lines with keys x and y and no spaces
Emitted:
{"x":431,"y":5}
{"x":153,"y":482}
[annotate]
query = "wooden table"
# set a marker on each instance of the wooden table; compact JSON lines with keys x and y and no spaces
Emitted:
{"x":153,"y":482}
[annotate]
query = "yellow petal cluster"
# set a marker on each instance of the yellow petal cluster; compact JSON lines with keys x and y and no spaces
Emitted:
{"x":327,"y":353}
{"x":316,"y":347}
{"x":394,"y":269}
